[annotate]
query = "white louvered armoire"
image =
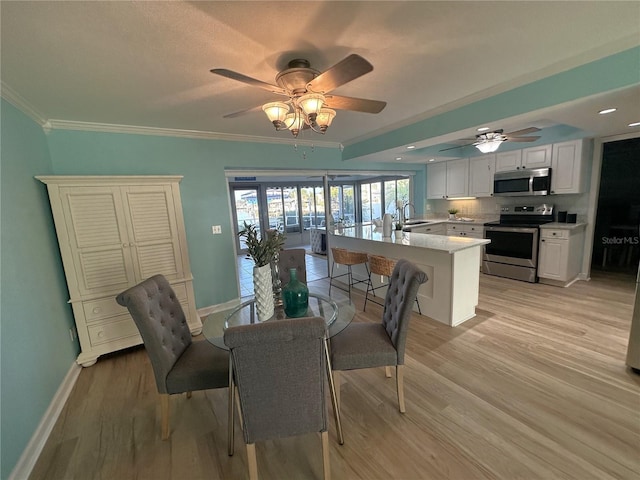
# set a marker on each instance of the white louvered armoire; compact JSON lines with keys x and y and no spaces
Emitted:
{"x":114,"y":232}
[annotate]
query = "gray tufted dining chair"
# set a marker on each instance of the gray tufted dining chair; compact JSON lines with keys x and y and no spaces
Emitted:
{"x":280,"y":371}
{"x":292,"y":258}
{"x":369,"y":345}
{"x":179,"y":364}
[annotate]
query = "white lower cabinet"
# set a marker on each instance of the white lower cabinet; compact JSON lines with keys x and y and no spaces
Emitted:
{"x":114,"y":232}
{"x":560,"y":254}
{"x":471,"y":231}
{"x":437,"y":229}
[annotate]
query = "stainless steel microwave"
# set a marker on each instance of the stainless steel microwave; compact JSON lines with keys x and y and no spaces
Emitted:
{"x":534,"y":181}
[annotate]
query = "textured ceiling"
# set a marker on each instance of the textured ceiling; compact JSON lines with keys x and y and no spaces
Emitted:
{"x":147,"y":63}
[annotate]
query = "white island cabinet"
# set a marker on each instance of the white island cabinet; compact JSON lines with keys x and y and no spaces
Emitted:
{"x":114,"y":232}
{"x":450,"y":295}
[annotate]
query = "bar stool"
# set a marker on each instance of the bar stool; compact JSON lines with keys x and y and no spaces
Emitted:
{"x":383,"y":266}
{"x":342,"y":256}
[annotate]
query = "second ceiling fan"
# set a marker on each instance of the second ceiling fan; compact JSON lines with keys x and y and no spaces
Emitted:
{"x":310,"y":103}
{"x":490,"y":141}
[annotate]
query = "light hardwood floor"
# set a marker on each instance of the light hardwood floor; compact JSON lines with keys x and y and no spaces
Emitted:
{"x":534,"y":387}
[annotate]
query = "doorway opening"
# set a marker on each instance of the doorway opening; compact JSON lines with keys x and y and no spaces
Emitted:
{"x":616,"y":246}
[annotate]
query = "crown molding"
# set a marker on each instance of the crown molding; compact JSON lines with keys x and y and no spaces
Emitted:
{"x":18,"y":101}
{"x":56,"y":124}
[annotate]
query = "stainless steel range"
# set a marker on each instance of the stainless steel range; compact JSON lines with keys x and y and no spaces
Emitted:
{"x":513,"y":251}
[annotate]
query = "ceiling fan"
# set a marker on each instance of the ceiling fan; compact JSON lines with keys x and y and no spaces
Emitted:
{"x":490,"y":141}
{"x":310,"y":103}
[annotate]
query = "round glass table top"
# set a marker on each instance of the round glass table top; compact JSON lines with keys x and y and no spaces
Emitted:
{"x":337,"y":313}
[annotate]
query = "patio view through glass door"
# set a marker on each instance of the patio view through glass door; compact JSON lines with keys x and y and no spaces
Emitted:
{"x":247,"y":209}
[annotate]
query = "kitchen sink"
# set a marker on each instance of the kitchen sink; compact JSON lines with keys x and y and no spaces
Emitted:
{"x":418,"y":222}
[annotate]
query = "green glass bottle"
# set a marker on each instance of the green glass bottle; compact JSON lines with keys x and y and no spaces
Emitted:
{"x":295,"y":296}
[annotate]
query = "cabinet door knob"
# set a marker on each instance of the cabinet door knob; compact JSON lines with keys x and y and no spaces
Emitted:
{"x":542,"y":240}
{"x":124,"y":245}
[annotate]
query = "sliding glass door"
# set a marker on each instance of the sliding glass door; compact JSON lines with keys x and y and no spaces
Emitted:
{"x":246,"y":209}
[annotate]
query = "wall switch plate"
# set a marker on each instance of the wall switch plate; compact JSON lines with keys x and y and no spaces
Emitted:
{"x":216,"y":229}
{"x":72,"y":334}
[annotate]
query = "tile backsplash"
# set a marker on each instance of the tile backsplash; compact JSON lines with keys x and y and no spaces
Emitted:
{"x":488,"y":208}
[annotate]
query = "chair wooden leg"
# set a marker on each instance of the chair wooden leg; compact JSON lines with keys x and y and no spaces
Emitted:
{"x":387,"y":372}
{"x":400,"y":385}
{"x":189,"y":394}
{"x":251,"y":460}
{"x":164,"y":414}
{"x":239,"y":409}
{"x":326,"y":465}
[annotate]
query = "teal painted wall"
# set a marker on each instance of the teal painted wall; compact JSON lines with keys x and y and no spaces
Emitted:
{"x":36,"y":350}
{"x":205,"y":198}
{"x":610,"y":73}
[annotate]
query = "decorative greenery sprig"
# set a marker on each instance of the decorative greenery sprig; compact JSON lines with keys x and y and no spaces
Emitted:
{"x":262,"y":250}
{"x":398,"y":226}
{"x":453,"y":211}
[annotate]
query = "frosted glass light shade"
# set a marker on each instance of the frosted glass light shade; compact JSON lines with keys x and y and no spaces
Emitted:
{"x":311,"y":103}
{"x":324,"y":118}
{"x":276,"y":111}
{"x":489,"y":146}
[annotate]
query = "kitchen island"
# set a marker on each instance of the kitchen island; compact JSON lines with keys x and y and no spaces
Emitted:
{"x":450,"y":295}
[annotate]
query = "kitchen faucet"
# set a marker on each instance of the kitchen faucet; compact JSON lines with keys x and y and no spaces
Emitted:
{"x":404,"y":208}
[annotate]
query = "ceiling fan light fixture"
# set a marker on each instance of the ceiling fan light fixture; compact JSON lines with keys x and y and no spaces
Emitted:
{"x":311,"y":103}
{"x":276,"y":112}
{"x":294,"y":122}
{"x":324,"y":118}
{"x":488,"y":146}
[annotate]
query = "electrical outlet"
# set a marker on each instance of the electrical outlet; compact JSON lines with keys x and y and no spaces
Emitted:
{"x":216,"y":229}
{"x":428,"y":207}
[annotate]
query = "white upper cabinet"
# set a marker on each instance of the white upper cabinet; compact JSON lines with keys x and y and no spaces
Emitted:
{"x":568,"y":166}
{"x":448,"y":179}
{"x":532,"y":157}
{"x":481,"y":170}
{"x":458,"y":178}
{"x":437,"y":180}
{"x":507,"y":161}
{"x":536,"y":157}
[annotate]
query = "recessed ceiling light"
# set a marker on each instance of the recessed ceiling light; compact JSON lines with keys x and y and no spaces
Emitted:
{"x":431,"y":159}
{"x":634,"y":124}
{"x":398,"y":158}
{"x":483,"y":129}
{"x":607,"y":110}
{"x":411,"y":147}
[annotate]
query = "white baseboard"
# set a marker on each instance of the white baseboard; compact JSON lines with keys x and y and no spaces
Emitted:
{"x":33,"y":449}
{"x":206,"y":311}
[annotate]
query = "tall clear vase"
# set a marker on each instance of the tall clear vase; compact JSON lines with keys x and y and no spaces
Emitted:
{"x":263,"y":291}
{"x":275,"y":277}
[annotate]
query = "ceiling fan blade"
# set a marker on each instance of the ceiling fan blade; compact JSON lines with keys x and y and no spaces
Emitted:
{"x":522,"y":139}
{"x":354,"y":104}
{"x":524,"y":131}
{"x":243,"y":112}
{"x":344,"y":71}
{"x":248,"y":80}
{"x":453,"y":148}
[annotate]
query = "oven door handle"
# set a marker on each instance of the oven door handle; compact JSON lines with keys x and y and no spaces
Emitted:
{"x":511,"y":229}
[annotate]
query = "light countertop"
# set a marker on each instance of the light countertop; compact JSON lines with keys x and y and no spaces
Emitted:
{"x":440,"y":243}
{"x":563,"y":226}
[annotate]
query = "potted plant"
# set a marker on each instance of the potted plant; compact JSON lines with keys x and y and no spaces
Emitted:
{"x":398,"y":230}
{"x":452,"y":213}
{"x":263,"y":250}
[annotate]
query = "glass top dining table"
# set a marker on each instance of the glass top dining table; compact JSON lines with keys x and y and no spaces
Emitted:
{"x":337,"y":312}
